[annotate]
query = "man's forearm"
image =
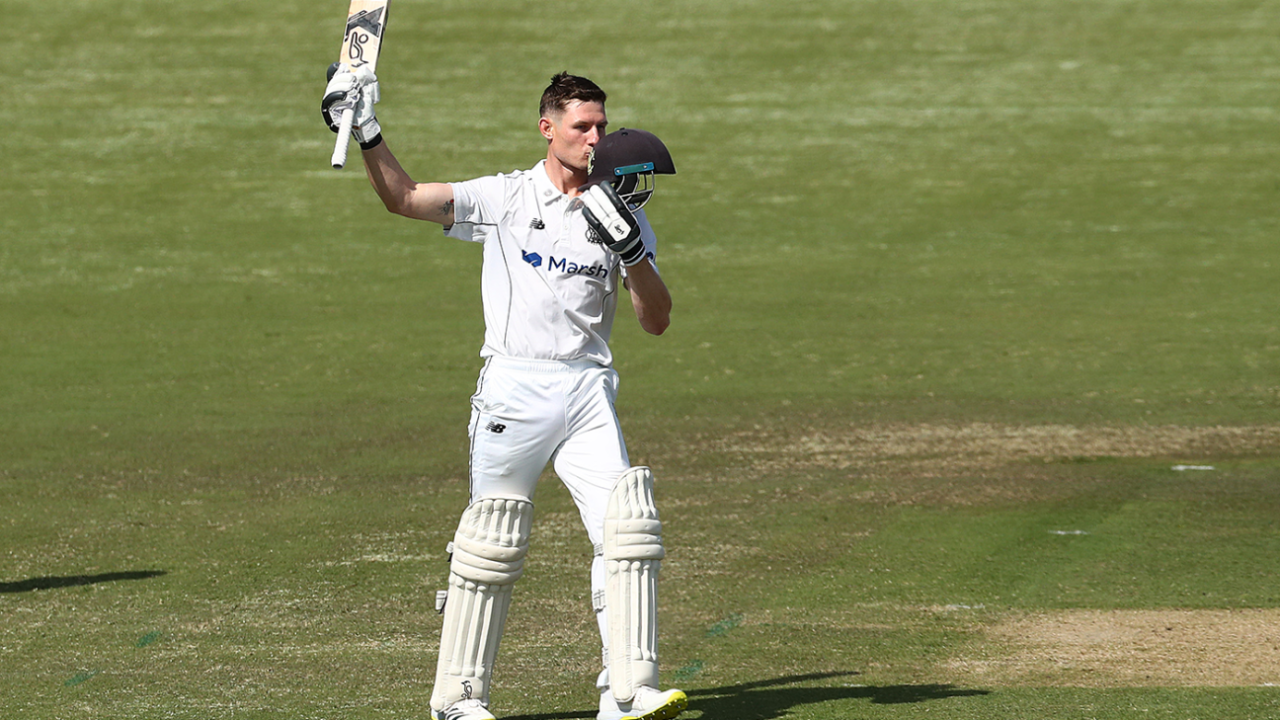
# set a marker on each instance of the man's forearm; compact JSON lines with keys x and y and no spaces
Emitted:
{"x":649,"y":297}
{"x":402,"y":194}
{"x":389,"y":180}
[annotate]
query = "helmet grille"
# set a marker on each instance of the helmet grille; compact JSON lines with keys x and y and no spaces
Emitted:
{"x":635,"y":188}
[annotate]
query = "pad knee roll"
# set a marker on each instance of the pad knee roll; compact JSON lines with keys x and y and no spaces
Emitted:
{"x":488,"y":554}
{"x":633,"y":555}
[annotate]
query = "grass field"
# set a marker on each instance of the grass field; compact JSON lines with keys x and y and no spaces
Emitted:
{"x":969,"y":407}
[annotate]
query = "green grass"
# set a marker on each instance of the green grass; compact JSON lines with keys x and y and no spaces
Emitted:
{"x":233,"y":389}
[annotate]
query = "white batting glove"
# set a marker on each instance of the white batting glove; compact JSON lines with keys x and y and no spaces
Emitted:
{"x":356,"y":90}
{"x":610,"y":217}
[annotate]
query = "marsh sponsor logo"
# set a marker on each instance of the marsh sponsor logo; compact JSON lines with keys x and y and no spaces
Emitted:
{"x":564,"y":266}
{"x":572,"y":268}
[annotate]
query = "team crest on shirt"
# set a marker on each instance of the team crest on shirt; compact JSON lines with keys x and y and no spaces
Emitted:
{"x":594,"y":237}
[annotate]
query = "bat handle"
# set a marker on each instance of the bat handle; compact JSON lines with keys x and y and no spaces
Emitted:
{"x":344,"y":138}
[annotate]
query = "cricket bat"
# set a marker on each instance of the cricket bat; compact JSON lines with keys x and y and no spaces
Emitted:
{"x":366,"y":23}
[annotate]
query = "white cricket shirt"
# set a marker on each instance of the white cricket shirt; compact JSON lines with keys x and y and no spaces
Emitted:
{"x":549,"y":293}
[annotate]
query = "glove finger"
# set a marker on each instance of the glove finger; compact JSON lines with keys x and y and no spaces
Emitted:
{"x":339,"y":90}
{"x":591,"y":218}
{"x":611,"y":196}
{"x":606,"y":202}
{"x":338,"y":97}
{"x":590,"y":202}
{"x":364,"y":75}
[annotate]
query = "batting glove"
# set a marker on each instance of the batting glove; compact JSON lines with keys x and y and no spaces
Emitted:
{"x":356,"y":90}
{"x":613,"y":221}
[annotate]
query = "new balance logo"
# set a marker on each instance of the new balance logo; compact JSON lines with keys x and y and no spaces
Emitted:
{"x":533,"y":259}
{"x":537,"y":224}
{"x":497,"y":428}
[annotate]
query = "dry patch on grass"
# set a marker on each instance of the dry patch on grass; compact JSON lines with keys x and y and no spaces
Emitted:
{"x":1130,"y":648}
{"x":971,"y":464}
{"x":975,"y":446}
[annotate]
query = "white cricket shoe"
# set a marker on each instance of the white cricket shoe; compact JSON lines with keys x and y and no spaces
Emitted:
{"x":648,"y":704}
{"x":464,"y":710}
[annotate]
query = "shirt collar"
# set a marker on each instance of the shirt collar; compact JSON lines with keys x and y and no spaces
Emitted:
{"x":548,"y":194}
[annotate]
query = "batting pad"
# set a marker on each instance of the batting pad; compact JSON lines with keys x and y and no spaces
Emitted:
{"x":488,"y":558}
{"x":632,"y":556}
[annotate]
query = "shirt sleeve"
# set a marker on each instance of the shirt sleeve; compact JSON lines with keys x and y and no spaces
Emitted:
{"x":476,"y":207}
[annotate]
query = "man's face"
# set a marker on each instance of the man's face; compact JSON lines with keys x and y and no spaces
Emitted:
{"x":574,"y":133}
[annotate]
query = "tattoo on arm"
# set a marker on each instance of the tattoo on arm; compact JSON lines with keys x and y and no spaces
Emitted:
{"x":447,"y":208}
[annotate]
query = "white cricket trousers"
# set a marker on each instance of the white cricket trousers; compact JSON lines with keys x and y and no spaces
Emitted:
{"x":526,"y":413}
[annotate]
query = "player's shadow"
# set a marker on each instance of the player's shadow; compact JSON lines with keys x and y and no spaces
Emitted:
{"x":53,"y":583}
{"x":766,"y":700}
{"x":769,"y":699}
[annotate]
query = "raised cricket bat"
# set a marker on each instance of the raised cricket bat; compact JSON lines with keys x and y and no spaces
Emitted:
{"x":366,"y":23}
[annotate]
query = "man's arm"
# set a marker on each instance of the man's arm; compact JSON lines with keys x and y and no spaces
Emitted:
{"x":649,"y":297}
{"x":401,"y":194}
{"x":616,"y":224}
{"x":358,"y":91}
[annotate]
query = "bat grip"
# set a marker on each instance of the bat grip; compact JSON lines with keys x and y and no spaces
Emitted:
{"x":344,"y":138}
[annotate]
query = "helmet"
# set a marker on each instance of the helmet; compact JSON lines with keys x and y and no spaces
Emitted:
{"x":628,"y":159}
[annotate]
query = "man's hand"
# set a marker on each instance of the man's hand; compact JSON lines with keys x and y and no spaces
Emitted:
{"x":356,"y":90}
{"x":609,"y":216}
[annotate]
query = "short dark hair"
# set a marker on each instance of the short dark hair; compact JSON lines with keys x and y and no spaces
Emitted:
{"x":566,"y":88}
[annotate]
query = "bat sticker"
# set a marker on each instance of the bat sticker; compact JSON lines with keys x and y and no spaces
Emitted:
{"x":363,"y":20}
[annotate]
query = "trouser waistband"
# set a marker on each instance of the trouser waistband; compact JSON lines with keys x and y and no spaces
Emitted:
{"x":540,"y":366}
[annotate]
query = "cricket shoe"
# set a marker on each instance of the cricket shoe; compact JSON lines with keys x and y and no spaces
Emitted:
{"x":648,"y":704}
{"x":464,"y":710}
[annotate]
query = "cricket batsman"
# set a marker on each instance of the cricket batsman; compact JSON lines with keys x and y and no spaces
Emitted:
{"x":560,"y":241}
